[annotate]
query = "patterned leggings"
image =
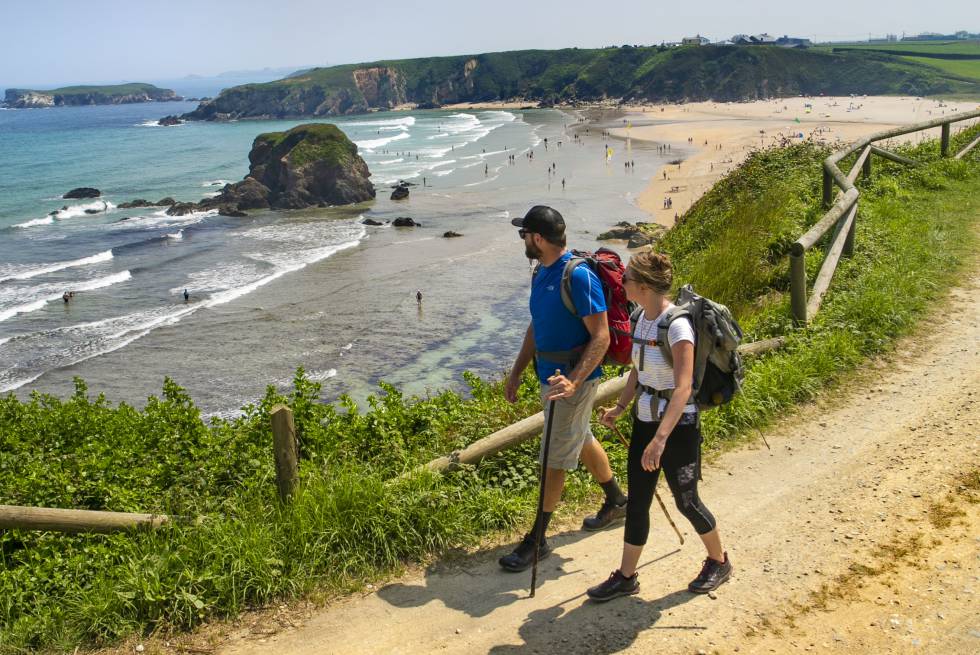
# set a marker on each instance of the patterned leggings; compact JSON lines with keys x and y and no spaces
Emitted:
{"x":681,"y":464}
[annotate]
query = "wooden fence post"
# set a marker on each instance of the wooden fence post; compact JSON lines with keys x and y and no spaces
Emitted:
{"x":797,"y":286}
{"x":944,"y":141}
{"x":285,"y":451}
{"x":866,"y":171}
{"x":828,"y":189}
{"x":848,"y":250}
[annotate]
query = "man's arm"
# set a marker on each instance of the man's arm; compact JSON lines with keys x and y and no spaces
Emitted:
{"x":595,"y":350}
{"x":524,"y":358}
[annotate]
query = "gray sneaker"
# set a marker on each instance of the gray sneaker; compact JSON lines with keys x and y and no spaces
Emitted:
{"x":616,"y":585}
{"x":523,"y":556}
{"x":608,"y":514}
{"x":713,"y":574}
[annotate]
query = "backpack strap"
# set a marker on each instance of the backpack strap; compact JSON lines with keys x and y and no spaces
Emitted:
{"x":566,"y":283}
{"x":643,"y":343}
{"x":567,"y":358}
{"x":663,"y":341}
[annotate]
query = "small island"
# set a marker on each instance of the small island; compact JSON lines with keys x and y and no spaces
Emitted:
{"x":313,"y":165}
{"x":117,"y":94}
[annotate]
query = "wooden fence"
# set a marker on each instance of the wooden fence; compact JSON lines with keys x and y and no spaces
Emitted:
{"x":842,"y":212}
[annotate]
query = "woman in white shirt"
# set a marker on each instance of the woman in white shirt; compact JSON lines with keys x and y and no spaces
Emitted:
{"x":666,"y":430}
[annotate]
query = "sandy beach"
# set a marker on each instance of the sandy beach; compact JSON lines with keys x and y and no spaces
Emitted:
{"x":723,"y":134}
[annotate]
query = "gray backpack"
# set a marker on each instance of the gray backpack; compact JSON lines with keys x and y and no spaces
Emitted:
{"x":718,"y":368}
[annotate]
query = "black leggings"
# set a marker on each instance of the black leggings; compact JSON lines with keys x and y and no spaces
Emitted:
{"x":681,"y":463}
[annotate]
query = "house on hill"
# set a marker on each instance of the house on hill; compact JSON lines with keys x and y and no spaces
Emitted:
{"x":695,"y":40}
{"x":765,"y":39}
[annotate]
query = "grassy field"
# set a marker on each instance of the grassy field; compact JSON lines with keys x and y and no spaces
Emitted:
{"x":957,"y":58}
{"x":967,"y":68}
{"x":965,"y":47}
{"x":356,"y":518}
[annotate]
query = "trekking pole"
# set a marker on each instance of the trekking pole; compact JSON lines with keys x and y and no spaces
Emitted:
{"x":539,"y":524}
{"x":655,"y":492}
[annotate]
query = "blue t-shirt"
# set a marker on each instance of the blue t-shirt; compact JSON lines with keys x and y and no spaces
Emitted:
{"x":555,"y":328}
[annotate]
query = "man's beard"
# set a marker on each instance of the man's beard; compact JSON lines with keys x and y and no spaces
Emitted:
{"x":532,"y":251}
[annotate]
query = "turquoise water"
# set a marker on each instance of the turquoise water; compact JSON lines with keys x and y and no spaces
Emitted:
{"x":277,"y":290}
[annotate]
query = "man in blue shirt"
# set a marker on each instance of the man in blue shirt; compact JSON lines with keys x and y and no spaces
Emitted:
{"x":568,"y":350}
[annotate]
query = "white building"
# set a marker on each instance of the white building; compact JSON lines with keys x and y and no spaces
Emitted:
{"x":695,"y":40}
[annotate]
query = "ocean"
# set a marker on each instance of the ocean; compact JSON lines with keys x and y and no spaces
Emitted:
{"x":279,"y":290}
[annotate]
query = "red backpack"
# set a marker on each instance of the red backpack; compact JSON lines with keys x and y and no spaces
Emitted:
{"x":609,"y":268}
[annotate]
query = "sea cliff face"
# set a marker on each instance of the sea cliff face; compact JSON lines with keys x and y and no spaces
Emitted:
{"x":342,"y":90}
{"x":122,"y":94}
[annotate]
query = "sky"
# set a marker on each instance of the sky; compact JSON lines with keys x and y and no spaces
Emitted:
{"x":46,"y":42}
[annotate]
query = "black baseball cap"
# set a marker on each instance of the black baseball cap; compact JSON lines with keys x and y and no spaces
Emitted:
{"x":542,"y":220}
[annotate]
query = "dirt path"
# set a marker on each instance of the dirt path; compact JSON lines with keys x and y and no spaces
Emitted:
{"x":858,"y":532}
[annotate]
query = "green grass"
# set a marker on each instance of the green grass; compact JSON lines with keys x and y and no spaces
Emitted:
{"x":355,"y":519}
{"x":311,"y":142}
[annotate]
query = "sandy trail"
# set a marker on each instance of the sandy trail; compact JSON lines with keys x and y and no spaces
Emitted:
{"x":848,"y":483}
{"x":723,"y":135}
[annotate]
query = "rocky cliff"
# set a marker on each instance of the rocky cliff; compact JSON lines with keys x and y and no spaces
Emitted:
{"x":87,"y":95}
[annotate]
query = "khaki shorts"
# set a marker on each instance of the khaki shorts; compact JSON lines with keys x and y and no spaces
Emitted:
{"x":571,"y":428}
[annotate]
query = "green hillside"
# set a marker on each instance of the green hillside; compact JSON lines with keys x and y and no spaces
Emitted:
{"x":654,"y":74}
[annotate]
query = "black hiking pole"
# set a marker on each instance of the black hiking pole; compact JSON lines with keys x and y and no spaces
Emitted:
{"x":655,"y":492}
{"x":539,"y":524}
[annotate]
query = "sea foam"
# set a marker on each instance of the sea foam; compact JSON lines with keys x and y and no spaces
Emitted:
{"x":24,"y":273}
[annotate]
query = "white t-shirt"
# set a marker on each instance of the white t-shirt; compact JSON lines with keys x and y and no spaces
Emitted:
{"x":656,"y":372}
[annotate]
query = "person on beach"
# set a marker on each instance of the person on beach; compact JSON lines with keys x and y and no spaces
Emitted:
{"x":65,"y":297}
{"x":574,"y":345}
{"x":187,"y":296}
{"x":418,"y":297}
{"x":666,"y":431}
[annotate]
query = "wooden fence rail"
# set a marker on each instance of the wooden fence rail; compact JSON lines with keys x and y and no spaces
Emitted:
{"x":532,"y":426}
{"x":842,"y":212}
{"x":13,"y":517}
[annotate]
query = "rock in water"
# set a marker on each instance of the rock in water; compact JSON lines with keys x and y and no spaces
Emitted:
{"x":405,"y":221}
{"x":371,"y":221}
{"x":450,"y":234}
{"x":82,"y":192}
{"x":400,"y":193}
{"x":169,"y":121}
{"x":183,"y":208}
{"x":232,"y":212}
{"x":308,"y":166}
{"x":639,"y":240}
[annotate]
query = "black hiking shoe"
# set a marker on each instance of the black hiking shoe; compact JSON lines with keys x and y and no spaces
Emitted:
{"x":616,"y":585}
{"x":523,"y":556}
{"x":713,"y":574}
{"x":606,"y":516}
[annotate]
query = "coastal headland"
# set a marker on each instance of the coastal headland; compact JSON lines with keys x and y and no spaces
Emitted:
{"x":117,"y":94}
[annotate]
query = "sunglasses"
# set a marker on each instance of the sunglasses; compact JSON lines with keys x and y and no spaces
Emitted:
{"x":523,"y":233}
